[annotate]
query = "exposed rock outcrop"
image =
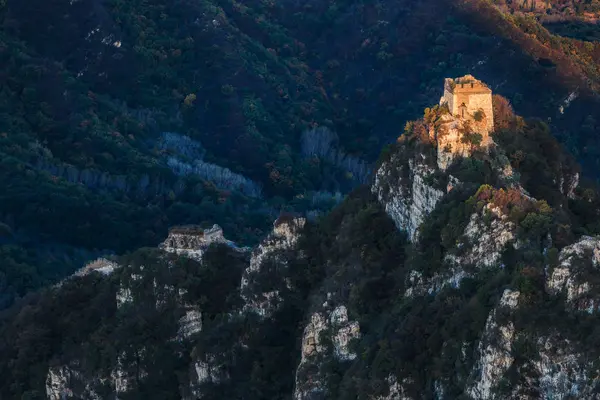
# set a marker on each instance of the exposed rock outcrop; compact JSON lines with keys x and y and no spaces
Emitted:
{"x":484,"y":239}
{"x":568,"y":182}
{"x":471,"y":307}
{"x":101,"y":265}
{"x":58,"y":382}
{"x":495,"y":350}
{"x":206,"y":370}
{"x":190,"y":323}
{"x":344,"y":332}
{"x":259,"y":298}
{"x":404,"y":193}
{"x":576,"y":262}
{"x":559,"y":371}
{"x":405,"y":186}
{"x":486,"y":236}
{"x":396,"y":390}
{"x":68,"y":381}
{"x":328,"y":333}
{"x":564,"y":373}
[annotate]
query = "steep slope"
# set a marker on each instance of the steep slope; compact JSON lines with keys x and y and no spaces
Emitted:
{"x":140,"y":115}
{"x":488,"y":290}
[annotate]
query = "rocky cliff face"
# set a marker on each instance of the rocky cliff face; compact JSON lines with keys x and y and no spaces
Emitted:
{"x":411,"y":182}
{"x":497,"y":224}
{"x":328,"y":334}
{"x":556,"y":370}
{"x":265,"y":299}
{"x":571,"y":277}
{"x":404,"y":191}
{"x":445,"y":279}
{"x":494,"y":350}
{"x":140,"y":286}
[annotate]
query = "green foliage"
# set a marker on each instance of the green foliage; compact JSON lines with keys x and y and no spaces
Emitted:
{"x":472,"y":169}
{"x":246,"y":80}
{"x":472,"y":138}
{"x":358,"y":256}
{"x":440,"y":233}
{"x":536,"y":224}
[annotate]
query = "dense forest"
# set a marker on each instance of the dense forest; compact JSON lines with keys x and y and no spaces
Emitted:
{"x":355,"y":256}
{"x":119,"y":119}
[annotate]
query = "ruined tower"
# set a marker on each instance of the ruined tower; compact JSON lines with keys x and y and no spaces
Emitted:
{"x":470,"y":99}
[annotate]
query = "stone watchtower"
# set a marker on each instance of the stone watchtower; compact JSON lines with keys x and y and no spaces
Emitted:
{"x":470,"y":99}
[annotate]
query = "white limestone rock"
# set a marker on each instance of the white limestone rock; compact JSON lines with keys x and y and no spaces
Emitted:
{"x":206,"y":371}
{"x":341,"y":331}
{"x":121,"y":379}
{"x":407,"y":200}
{"x":567,"y":277}
{"x":57,"y":383}
{"x":311,"y":347}
{"x":417,"y":285}
{"x":124,"y":296}
{"x":311,"y":343}
{"x":396,"y":390}
{"x":285,"y":235}
{"x":494,"y":351}
{"x":345,"y":331}
{"x":66,"y":381}
{"x":563,"y":373}
{"x":101,"y":265}
{"x":558,"y":371}
{"x":190,"y":323}
{"x":567,"y":183}
{"x":484,"y":239}
{"x":567,"y":102}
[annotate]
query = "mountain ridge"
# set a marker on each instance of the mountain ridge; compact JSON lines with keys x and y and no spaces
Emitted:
{"x":497,"y":284}
{"x":91,"y":95}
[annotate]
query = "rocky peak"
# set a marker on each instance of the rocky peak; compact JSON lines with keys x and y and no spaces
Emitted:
{"x":328,"y":333}
{"x":285,"y":235}
{"x":474,"y":298}
{"x":495,"y":350}
{"x":411,"y":182}
{"x":405,"y":193}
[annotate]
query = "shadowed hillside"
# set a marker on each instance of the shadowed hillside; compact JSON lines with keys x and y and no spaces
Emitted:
{"x":134,"y":116}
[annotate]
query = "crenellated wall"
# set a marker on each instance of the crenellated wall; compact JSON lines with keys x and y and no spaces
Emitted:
{"x":475,"y":96}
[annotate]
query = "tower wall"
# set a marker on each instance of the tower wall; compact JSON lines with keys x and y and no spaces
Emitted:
{"x":474,"y":94}
{"x":482,"y":101}
{"x":449,"y":99}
